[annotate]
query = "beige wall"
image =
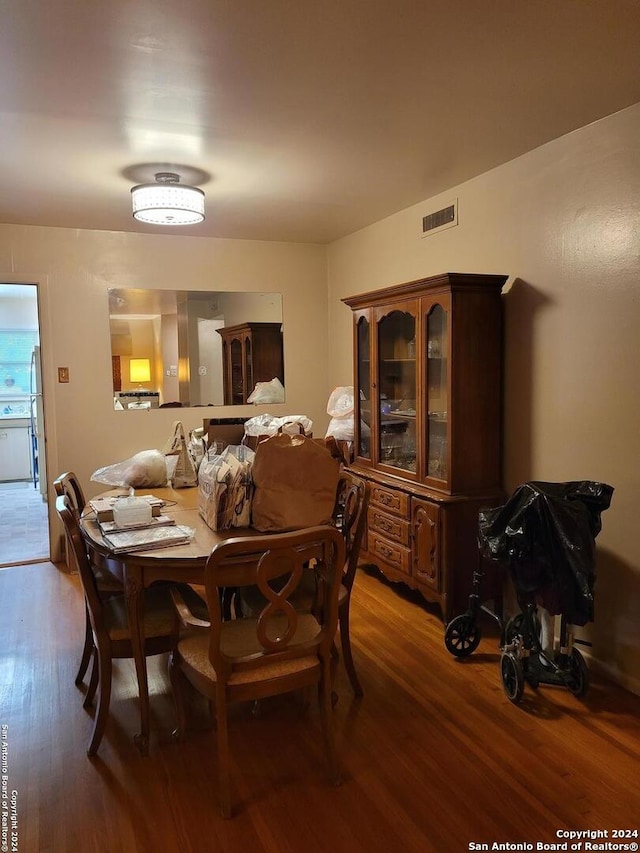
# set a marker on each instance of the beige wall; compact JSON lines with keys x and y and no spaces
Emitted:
{"x":74,"y":270}
{"x":564,"y":223}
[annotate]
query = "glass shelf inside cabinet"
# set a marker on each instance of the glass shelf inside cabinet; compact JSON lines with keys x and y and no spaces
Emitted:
{"x":437,"y":390}
{"x":397,"y":390}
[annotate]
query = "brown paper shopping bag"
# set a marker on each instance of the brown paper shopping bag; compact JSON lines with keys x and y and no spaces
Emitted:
{"x":295,"y":481}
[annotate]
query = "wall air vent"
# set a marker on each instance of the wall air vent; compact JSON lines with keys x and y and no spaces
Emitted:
{"x":446,"y":217}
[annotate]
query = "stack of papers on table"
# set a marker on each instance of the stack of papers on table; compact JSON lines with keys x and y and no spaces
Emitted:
{"x":147,"y":538}
{"x":103,"y":507}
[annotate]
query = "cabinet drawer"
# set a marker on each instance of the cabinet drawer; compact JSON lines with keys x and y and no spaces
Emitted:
{"x":388,"y":552}
{"x":390,"y":500}
{"x":388,"y":526}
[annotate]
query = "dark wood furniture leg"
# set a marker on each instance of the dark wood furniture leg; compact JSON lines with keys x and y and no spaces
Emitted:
{"x":133,"y":590}
{"x":86,"y":651}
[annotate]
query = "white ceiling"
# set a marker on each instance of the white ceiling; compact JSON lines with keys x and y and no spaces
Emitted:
{"x":301,"y":121}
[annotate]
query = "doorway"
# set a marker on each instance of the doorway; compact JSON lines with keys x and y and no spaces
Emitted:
{"x":24,"y":523}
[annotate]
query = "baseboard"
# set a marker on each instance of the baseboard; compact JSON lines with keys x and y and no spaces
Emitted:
{"x":612,"y":673}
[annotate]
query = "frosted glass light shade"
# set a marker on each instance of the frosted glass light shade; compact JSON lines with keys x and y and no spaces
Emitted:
{"x":167,"y":204}
{"x":139,"y":370}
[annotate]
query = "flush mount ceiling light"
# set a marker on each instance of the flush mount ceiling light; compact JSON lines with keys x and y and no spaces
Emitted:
{"x":167,"y":202}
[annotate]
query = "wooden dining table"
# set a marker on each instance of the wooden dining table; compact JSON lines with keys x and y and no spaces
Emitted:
{"x":139,"y":569}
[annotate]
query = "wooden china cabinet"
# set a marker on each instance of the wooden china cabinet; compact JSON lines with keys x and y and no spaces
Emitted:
{"x":428,"y":381}
{"x":251,"y":352}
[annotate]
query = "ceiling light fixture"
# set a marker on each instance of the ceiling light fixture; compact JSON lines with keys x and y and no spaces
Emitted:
{"x":167,"y":202}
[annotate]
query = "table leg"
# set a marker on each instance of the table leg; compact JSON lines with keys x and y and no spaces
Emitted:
{"x":133,"y":590}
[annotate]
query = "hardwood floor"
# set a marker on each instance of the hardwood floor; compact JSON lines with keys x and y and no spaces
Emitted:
{"x":433,"y":758}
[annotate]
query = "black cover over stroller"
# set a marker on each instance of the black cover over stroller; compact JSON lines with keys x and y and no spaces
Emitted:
{"x":546,"y":532}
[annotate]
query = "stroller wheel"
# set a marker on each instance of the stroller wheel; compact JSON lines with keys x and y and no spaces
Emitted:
{"x":578,"y":675}
{"x":512,"y":629}
{"x":462,"y":636}
{"x":512,"y":677}
{"x":518,"y":625}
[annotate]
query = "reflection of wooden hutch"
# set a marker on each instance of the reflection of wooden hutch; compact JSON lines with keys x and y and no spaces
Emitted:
{"x":428,"y":376}
{"x":251,"y":352}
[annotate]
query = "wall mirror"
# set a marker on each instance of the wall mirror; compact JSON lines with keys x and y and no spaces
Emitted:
{"x":193,"y":348}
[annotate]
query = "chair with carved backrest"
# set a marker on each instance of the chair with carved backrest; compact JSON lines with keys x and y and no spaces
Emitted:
{"x":281,"y":649}
{"x":349,"y":516}
{"x":107,"y":582}
{"x":109,"y":620}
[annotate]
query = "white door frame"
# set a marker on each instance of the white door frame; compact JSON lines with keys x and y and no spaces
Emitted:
{"x":41,"y":283}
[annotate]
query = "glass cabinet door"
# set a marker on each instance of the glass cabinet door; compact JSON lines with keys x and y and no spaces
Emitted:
{"x":397,"y":389}
{"x":363,"y":389}
{"x":248,"y":367}
{"x":237,"y":372}
{"x":437,"y":345}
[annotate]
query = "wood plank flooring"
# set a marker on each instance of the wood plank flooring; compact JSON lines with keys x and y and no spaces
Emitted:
{"x":434,"y":757}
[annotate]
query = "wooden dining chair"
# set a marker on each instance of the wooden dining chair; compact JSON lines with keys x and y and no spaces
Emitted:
{"x":279,"y":650}
{"x":107,"y":582}
{"x":109,"y":621}
{"x":349,"y":516}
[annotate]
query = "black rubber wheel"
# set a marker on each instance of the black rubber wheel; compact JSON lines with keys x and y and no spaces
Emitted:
{"x":578,"y":678}
{"x":512,"y":629}
{"x":517,"y":626}
{"x":512,"y":677}
{"x":461,"y":636}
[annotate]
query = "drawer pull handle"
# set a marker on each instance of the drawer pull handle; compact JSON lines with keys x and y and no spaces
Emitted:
{"x":385,"y":499}
{"x":384,"y":525}
{"x":386,"y":552}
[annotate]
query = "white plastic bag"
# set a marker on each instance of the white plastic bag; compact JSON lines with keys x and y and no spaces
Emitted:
{"x":341,"y":407}
{"x":144,"y":470}
{"x":341,"y":428}
{"x":341,"y":402}
{"x":266,"y":424}
{"x":267,"y":392}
